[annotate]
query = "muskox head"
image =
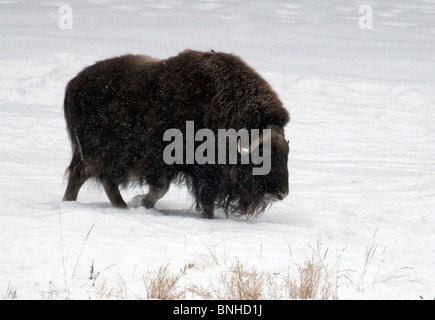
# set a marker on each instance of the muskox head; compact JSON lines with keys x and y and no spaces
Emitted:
{"x":250,"y":194}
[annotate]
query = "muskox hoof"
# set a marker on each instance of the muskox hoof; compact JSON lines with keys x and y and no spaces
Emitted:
{"x":147,"y":204}
{"x":208,"y":213}
{"x":143,"y":200}
{"x":120,"y":205}
{"x":137,"y":200}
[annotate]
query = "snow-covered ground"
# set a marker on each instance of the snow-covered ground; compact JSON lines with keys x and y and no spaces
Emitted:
{"x":362,"y":146}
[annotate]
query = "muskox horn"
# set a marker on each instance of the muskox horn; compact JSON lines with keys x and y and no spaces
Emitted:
{"x":254,"y":144}
{"x":242,"y":150}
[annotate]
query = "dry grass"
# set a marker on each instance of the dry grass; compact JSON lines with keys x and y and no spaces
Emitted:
{"x":395,"y":277}
{"x":52,"y":293}
{"x":11,"y":293}
{"x":163,"y":284}
{"x":104,"y":291}
{"x":241,"y":283}
{"x":370,"y":253}
{"x":309,"y":280}
{"x":313,"y":279}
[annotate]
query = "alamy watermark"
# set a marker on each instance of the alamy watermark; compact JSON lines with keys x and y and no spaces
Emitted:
{"x":366,"y":20}
{"x":238,"y":143}
{"x":65,"y":21}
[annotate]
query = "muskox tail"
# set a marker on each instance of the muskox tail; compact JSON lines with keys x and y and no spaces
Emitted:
{"x":76,"y":173}
{"x":68,"y":105}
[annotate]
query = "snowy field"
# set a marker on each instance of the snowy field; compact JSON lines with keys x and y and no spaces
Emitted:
{"x":360,"y":88}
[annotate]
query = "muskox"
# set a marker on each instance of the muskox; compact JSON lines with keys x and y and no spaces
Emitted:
{"x":118,"y":110}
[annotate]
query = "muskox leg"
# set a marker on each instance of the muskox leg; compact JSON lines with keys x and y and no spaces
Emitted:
{"x":205,"y":196}
{"x":156,"y":191}
{"x":75,"y":182}
{"x":153,"y":195}
{"x":113,"y":194}
{"x":206,"y":199}
{"x":208,"y":211}
{"x":76,"y":178}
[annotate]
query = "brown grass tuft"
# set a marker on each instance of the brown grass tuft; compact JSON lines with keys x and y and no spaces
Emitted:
{"x":162,"y":284}
{"x":241,"y":283}
{"x":312,"y":281}
{"x":11,"y":292}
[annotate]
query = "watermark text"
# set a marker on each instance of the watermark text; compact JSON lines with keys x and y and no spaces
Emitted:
{"x":65,"y":21}
{"x":247,"y":144}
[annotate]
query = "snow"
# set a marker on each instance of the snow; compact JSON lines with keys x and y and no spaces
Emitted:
{"x":362,"y":147}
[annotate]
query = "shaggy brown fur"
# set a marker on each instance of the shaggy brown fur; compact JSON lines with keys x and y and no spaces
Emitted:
{"x":118,"y":109}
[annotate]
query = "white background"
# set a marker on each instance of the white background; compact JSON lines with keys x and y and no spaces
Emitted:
{"x":362,"y":147}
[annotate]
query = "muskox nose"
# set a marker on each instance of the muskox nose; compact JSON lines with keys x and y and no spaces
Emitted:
{"x":281,"y":194}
